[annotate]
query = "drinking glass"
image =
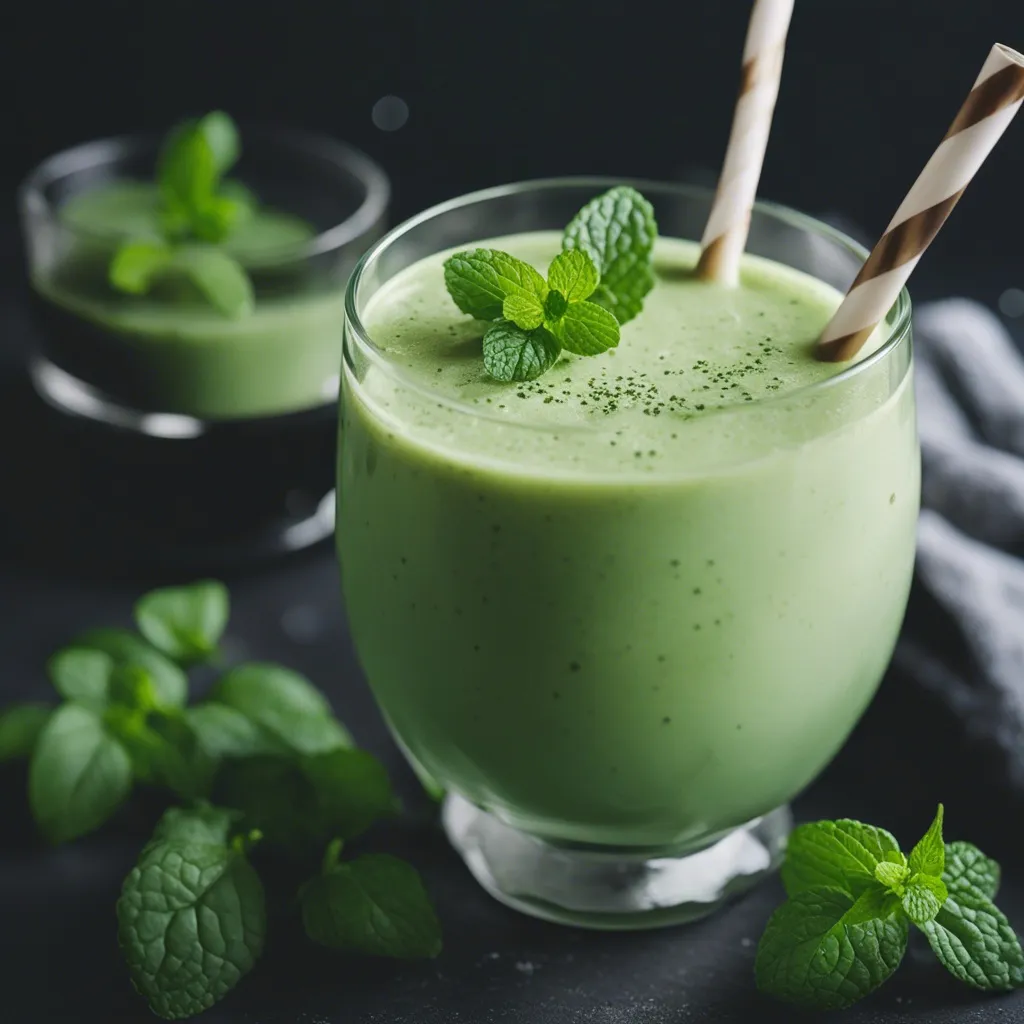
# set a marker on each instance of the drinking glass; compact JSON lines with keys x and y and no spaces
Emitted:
{"x":216,"y":435}
{"x":618,"y":752}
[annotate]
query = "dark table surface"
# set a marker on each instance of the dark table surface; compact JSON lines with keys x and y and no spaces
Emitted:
{"x":58,"y":954}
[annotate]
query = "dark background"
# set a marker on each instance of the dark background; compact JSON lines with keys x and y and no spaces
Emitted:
{"x":501,"y":91}
{"x":496,"y":92}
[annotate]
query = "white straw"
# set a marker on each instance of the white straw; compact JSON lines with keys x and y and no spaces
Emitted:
{"x":729,"y":221}
{"x":987,"y":112}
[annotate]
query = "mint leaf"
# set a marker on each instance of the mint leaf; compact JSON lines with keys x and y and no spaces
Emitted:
{"x":163,"y":749}
{"x":617,"y":231}
{"x":511,"y":353}
{"x":374,"y":904}
{"x":193,"y":159}
{"x":525,"y":311}
{"x":284,"y":705}
{"x":273,"y":795}
{"x":20,"y":726}
{"x":221,"y":135}
{"x":353,"y":791}
{"x":923,"y":897}
{"x":555,"y":306}
{"x":842,"y":853}
{"x":133,"y":687}
{"x":301,"y":802}
{"x":825,"y":950}
{"x":82,"y":674}
{"x":221,"y":279}
{"x":186,"y":174}
{"x":586,"y":329}
{"x":220,"y":218}
{"x":892,"y":874}
{"x":874,"y":902}
{"x":478,"y":280}
{"x":169,"y":681}
{"x":137,"y":264}
{"x":297,"y":229}
{"x":78,"y":776}
{"x":969,"y":871}
{"x":186,"y":623}
{"x":929,"y":856}
{"x":573,"y":274}
{"x":203,"y":823}
{"x":191,"y":917}
{"x":224,"y":732}
{"x":975,"y":943}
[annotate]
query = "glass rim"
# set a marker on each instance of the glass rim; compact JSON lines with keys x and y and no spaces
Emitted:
{"x":897,"y":332}
{"x":99,"y":152}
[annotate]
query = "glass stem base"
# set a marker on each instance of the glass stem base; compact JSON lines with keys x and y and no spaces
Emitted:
{"x":612,"y":889}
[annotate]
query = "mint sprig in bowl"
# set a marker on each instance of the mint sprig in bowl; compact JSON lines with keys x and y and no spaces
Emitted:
{"x":188,"y":286}
{"x":200,"y":271}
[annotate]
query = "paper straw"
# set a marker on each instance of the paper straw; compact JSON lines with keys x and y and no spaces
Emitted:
{"x":988,"y":110}
{"x":725,"y":234}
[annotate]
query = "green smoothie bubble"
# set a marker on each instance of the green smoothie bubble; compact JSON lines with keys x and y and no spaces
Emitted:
{"x":641,"y":599}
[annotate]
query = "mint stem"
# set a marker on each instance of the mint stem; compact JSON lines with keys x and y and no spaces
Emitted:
{"x":331,"y":856}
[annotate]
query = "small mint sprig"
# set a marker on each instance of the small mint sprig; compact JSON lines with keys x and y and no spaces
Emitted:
{"x":198,"y":210}
{"x":852,"y":898}
{"x":594,"y":285}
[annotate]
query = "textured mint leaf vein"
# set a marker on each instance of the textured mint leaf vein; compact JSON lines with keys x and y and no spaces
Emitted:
{"x":843,"y":853}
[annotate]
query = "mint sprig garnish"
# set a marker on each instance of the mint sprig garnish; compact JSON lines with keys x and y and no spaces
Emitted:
{"x":595,"y":284}
{"x":266,"y":743}
{"x":195,"y":157}
{"x":198,"y":210}
{"x":852,"y":898}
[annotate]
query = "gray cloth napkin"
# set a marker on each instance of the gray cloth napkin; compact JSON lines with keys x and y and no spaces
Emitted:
{"x":970,"y":392}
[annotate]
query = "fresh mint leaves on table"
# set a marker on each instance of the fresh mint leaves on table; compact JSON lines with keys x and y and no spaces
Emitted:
{"x":20,"y":726}
{"x":596,"y":284}
{"x":266,"y":745}
{"x":198,"y":211}
{"x":853,"y":896}
{"x":79,"y":773}
{"x":373,"y":904}
{"x":192,"y":915}
{"x":185,"y":624}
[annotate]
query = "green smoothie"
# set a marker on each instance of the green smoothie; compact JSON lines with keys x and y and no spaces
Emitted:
{"x":170,"y":350}
{"x":644,"y":598}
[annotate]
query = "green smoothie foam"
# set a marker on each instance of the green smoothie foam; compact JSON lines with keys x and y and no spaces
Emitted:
{"x":645,"y":597}
{"x":171,"y":350}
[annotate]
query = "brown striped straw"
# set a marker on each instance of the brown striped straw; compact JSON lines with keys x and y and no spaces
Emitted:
{"x":985,"y":115}
{"x":725,"y":234}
